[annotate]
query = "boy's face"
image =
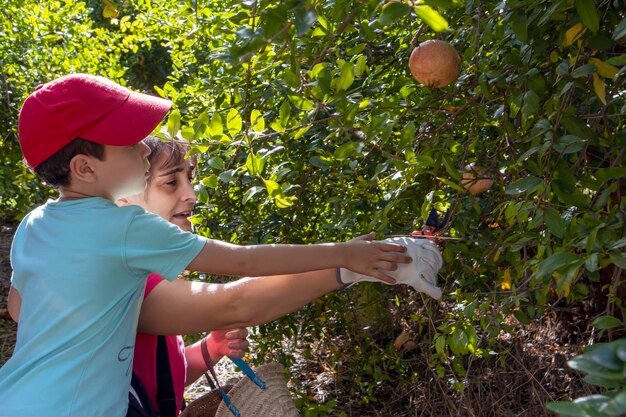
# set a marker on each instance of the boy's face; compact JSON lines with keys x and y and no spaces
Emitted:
{"x":124,"y":170}
{"x":169,"y":192}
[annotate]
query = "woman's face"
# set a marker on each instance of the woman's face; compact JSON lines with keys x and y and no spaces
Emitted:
{"x":169,"y":192}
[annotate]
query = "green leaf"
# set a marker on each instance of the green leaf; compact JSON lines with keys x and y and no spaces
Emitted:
{"x":614,"y":380}
{"x":440,"y":345}
{"x":226,"y":176}
{"x":393,"y":11}
{"x":521,"y":317}
{"x":173,"y":123}
{"x":304,"y":19}
{"x":617,"y":244}
{"x":569,"y":144}
{"x":605,"y":356}
{"x":522,"y":185}
{"x":255,"y":164}
{"x":300,"y":132}
{"x":560,"y":260}
{"x":300,"y":102}
{"x":617,"y":60}
{"x":346,"y":78}
{"x":577,"y":127}
{"x":620,"y":30}
{"x":361,"y":65}
{"x":452,"y":184}
{"x":347,"y":150}
{"x":283,"y":201}
{"x":432,"y":18}
{"x":591,"y":263}
{"x":520,"y":26}
{"x":620,"y":351}
{"x":531,"y":104}
{"x":291,"y":78}
{"x":568,"y":409}
{"x":617,"y":405}
{"x":555,"y":223}
{"x":584,"y":70}
{"x":317,"y":69}
{"x":216,"y":126}
{"x":252,"y":191}
{"x":283,"y":117}
{"x":358,"y":48}
{"x":257,"y":121}
{"x":233,"y":122}
{"x":619,"y":259}
{"x":528,"y":154}
{"x":567,"y":192}
{"x":216,"y":163}
{"x":451,"y":169}
{"x":588,"y":14}
{"x":273,"y":188}
{"x":611,"y":173}
{"x":458,"y":341}
{"x":607,"y":322}
{"x":210,"y":181}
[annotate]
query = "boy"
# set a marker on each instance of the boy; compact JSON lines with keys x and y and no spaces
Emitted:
{"x":80,"y":262}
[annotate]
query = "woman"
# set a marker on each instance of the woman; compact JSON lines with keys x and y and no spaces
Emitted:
{"x":163,"y":365}
{"x":185,"y":307}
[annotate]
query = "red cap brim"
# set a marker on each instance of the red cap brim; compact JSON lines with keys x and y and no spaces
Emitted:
{"x":131,"y":122}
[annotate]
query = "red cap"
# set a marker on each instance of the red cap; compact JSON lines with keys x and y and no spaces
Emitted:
{"x":86,"y":106}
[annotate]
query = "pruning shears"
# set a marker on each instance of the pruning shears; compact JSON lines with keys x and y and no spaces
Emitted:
{"x":432,"y":228}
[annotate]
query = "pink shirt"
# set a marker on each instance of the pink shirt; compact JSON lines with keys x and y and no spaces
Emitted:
{"x":144,"y":362}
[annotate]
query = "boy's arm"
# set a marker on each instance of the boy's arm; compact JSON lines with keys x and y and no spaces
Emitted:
{"x":360,"y":255}
{"x":14,"y":303}
{"x":183,"y":307}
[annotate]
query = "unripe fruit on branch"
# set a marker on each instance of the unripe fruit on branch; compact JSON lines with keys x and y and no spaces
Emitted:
{"x":434,"y":63}
{"x":476,"y":179}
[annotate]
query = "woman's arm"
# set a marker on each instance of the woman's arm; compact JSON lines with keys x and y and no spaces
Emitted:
{"x":219,"y":343}
{"x":183,"y":307}
{"x":14,"y":303}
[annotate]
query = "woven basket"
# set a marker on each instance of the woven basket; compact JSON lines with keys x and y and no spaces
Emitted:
{"x":250,"y":400}
{"x":206,"y":405}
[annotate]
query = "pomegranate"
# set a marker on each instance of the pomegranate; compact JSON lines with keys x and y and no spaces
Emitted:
{"x":434,"y":63}
{"x":476,"y":179}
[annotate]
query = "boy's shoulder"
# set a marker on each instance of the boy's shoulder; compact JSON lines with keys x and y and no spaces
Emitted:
{"x":99,"y":210}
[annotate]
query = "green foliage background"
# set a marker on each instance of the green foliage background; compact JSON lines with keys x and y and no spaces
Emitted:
{"x":310,"y":128}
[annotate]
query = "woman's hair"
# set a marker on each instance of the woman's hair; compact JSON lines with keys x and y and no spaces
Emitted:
{"x":175,"y":151}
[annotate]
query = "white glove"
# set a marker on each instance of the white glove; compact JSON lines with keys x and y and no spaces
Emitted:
{"x":421,"y":274}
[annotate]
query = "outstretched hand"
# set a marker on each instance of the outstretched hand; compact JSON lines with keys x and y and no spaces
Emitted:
{"x":233,"y":343}
{"x":421,"y":274}
{"x":373,"y":258}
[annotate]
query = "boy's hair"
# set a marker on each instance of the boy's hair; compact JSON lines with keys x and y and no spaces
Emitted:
{"x":174,"y":149}
{"x":56,"y":170}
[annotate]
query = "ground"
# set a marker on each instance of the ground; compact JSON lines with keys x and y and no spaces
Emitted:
{"x":531,"y":372}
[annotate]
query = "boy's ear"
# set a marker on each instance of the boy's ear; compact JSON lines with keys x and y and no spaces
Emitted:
{"x":83,"y":169}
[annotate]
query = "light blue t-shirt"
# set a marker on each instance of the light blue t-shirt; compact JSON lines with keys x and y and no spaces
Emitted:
{"x":80,"y":267}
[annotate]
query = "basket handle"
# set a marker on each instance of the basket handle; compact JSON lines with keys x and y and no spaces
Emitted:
{"x":249,"y":372}
{"x":209,"y":363}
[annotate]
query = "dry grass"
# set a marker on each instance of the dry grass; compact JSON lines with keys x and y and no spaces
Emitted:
{"x":529,"y":371}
